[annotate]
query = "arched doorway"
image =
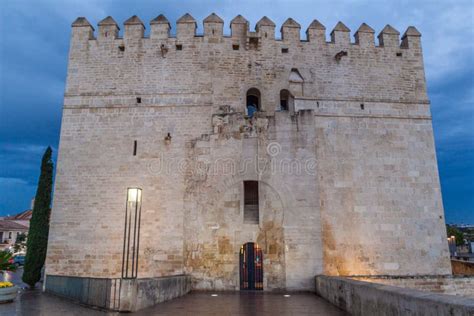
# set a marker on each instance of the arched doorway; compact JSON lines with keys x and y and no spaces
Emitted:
{"x":251,"y":267}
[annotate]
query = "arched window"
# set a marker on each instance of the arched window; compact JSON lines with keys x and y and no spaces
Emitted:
{"x":284,"y":100}
{"x":253,"y":101}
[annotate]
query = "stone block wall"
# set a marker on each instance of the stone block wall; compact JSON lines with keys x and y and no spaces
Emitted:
{"x":364,"y":298}
{"x":355,"y":189}
{"x":380,"y":196}
{"x":452,"y":285}
{"x":124,"y":295}
{"x":461,"y":267}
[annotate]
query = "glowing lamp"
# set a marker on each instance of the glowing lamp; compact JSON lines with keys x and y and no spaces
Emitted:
{"x":134,"y":195}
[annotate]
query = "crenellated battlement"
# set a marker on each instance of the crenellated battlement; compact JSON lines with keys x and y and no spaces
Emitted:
{"x":163,"y":68}
{"x":213,"y":26}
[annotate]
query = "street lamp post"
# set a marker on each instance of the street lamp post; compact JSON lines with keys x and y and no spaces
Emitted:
{"x":131,"y":235}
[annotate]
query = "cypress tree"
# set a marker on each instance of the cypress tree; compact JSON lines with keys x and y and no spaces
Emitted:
{"x":39,"y":225}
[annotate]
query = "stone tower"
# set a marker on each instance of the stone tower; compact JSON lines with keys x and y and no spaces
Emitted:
{"x":311,"y":156}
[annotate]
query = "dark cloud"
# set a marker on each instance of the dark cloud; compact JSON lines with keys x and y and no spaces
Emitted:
{"x":34,"y":40}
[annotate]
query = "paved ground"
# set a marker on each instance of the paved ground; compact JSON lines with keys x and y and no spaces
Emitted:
{"x":37,"y":303}
{"x":241,"y":303}
{"x":196,"y":303}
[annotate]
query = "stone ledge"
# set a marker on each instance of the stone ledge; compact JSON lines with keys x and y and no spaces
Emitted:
{"x":124,"y":295}
{"x":364,"y":298}
{"x":458,"y":285}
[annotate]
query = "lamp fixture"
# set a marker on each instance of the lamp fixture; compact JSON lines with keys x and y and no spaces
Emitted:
{"x":168,"y":139}
{"x":131,"y":234}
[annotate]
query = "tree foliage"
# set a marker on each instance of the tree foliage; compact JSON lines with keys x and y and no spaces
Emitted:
{"x":39,"y":225}
{"x":5,"y":261}
{"x":20,"y":244}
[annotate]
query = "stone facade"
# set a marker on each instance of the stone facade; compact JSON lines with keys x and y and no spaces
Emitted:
{"x":452,"y":285}
{"x":348,"y":180}
{"x":367,"y":298}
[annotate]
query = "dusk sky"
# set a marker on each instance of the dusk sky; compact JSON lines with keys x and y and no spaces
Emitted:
{"x":34,"y":42}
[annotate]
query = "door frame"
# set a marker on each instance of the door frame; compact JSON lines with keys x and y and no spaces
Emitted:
{"x":251,"y":267}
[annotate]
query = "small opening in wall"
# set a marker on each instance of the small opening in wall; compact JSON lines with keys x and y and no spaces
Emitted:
{"x":317,"y":104}
{"x":399,"y":54}
{"x":235,"y":47}
{"x":284,"y":50}
{"x":284,"y":99}
{"x":122,"y":48}
{"x":251,"y":215}
{"x":212,"y":31}
{"x":134,"y":147}
{"x":362,"y":106}
{"x":253,"y":101}
{"x":179,"y":47}
{"x":265,"y":34}
{"x":139,"y":100}
{"x":253,"y":43}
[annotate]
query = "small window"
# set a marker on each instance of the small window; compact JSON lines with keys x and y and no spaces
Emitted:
{"x":362,"y":106}
{"x":253,"y":43}
{"x":235,"y":47}
{"x":121,"y":48}
{"x":253,"y":101}
{"x":251,"y":214}
{"x":135,"y":147}
{"x":179,"y":47}
{"x":284,"y":99}
{"x":139,"y":100}
{"x":399,"y":54}
{"x":284,"y":50}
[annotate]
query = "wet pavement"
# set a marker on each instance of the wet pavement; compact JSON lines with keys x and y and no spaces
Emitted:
{"x":35,"y":302}
{"x":196,"y":303}
{"x":245,"y":303}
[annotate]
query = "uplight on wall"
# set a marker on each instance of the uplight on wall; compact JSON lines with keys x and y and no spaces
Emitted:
{"x":131,"y":235}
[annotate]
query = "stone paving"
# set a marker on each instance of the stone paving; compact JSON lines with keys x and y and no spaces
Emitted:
{"x":37,"y":303}
{"x":196,"y":303}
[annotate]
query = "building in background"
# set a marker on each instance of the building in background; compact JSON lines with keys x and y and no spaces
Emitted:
{"x":22,"y":218}
{"x":9,"y":231}
{"x":12,"y":226}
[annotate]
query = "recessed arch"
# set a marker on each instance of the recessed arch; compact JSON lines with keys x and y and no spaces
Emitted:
{"x":284,"y":100}
{"x":253,"y":101}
